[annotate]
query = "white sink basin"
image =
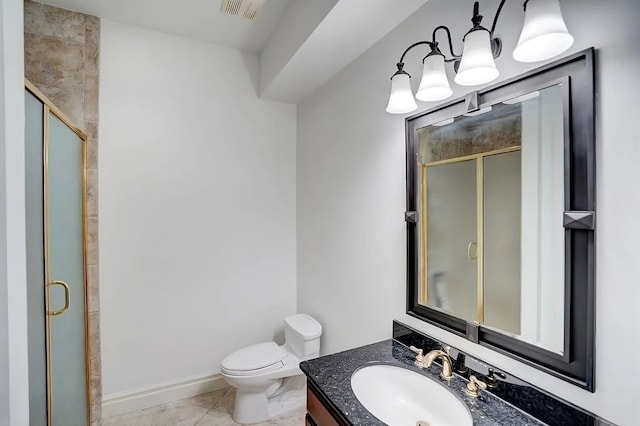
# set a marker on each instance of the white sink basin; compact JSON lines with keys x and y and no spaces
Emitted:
{"x":401,"y":397}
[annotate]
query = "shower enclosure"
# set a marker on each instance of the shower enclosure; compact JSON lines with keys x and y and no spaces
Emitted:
{"x":55,"y":155}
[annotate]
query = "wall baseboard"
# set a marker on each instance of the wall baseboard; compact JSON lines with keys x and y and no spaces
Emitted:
{"x":162,"y":393}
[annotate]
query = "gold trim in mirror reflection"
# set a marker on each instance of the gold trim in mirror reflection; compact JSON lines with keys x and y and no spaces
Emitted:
{"x":480,"y":244}
{"x":67,"y":298}
{"x":423,"y":228}
{"x":422,"y":217}
{"x":472,"y":156}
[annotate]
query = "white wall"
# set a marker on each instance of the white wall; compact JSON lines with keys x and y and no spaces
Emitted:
{"x":351,"y":194}
{"x":298,"y":22}
{"x":296,"y":61}
{"x":14,"y":386}
{"x":197,"y":208}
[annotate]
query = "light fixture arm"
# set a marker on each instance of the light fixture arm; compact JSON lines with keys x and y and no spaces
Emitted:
{"x":400,"y":63}
{"x":495,"y":18}
{"x":454,"y":57}
{"x":496,"y":43}
{"x":412,"y":46}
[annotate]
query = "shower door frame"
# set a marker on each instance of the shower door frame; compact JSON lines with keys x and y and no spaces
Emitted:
{"x":50,"y":108}
{"x":423,"y":211}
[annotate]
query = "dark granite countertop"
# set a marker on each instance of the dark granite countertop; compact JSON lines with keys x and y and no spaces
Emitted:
{"x":331,"y":374}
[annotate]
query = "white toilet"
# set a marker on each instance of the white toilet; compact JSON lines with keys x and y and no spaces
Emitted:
{"x":260,"y":372}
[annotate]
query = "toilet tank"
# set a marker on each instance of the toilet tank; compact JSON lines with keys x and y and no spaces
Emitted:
{"x":302,"y":336}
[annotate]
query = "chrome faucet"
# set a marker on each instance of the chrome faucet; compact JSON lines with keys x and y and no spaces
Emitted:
{"x":425,"y":361}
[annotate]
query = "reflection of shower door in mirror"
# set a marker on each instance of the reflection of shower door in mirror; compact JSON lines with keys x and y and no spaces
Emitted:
{"x":470,"y":232}
{"x":55,"y":164}
{"x":519,"y":155}
{"x":450,"y":212}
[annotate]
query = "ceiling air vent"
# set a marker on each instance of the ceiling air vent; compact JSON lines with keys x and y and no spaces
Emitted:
{"x":248,"y":9}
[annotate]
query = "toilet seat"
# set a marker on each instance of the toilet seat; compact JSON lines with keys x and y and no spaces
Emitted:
{"x":266,"y":375}
{"x":254,"y":359}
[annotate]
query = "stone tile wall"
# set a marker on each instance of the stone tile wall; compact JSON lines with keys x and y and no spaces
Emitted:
{"x":499,"y":129}
{"x":62,"y":50}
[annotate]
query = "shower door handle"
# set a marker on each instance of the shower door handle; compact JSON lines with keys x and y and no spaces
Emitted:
{"x":475,"y":255}
{"x":67,"y":297}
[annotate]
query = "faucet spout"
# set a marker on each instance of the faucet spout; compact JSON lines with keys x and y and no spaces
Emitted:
{"x":447,"y":369}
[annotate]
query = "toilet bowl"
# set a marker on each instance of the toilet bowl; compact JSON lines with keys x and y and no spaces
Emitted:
{"x":260,"y":372}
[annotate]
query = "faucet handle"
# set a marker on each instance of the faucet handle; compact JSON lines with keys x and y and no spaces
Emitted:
{"x":493,"y":373}
{"x":419,"y":356}
{"x":474,"y":386}
{"x":491,"y":380}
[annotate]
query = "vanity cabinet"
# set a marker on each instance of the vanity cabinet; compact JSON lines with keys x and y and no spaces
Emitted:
{"x":319,"y":412}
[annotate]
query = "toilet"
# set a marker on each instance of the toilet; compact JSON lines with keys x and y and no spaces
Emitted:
{"x":260,"y":373}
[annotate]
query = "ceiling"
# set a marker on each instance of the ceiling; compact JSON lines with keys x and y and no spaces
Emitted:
{"x":196,"y":19}
{"x":301,"y":43}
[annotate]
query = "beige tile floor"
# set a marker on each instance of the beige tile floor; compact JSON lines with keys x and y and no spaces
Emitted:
{"x":209,"y":409}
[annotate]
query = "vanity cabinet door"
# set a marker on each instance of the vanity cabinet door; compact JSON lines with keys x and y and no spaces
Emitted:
{"x":318,"y":413}
{"x":308,"y":421}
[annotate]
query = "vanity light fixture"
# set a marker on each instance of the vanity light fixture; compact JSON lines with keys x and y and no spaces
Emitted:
{"x":401,"y":100}
{"x":477,"y":65}
{"x":544,"y":36}
{"x":434,"y":85}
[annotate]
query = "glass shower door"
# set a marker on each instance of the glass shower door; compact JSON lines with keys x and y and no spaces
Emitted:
{"x":452,"y":251}
{"x":64,"y":226}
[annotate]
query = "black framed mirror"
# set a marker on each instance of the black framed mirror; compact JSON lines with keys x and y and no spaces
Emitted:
{"x":501,"y":217}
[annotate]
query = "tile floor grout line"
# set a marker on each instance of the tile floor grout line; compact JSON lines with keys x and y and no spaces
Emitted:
{"x":201,"y":417}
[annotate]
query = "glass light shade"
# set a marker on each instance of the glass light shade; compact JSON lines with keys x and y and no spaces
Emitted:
{"x":434,"y":85}
{"x":401,"y":99}
{"x":544,"y":34}
{"x":477,"y":65}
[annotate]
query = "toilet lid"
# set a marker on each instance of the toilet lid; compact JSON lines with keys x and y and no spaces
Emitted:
{"x":253,"y":359}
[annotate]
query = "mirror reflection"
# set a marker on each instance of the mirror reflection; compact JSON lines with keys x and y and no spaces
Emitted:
{"x":491,"y":197}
